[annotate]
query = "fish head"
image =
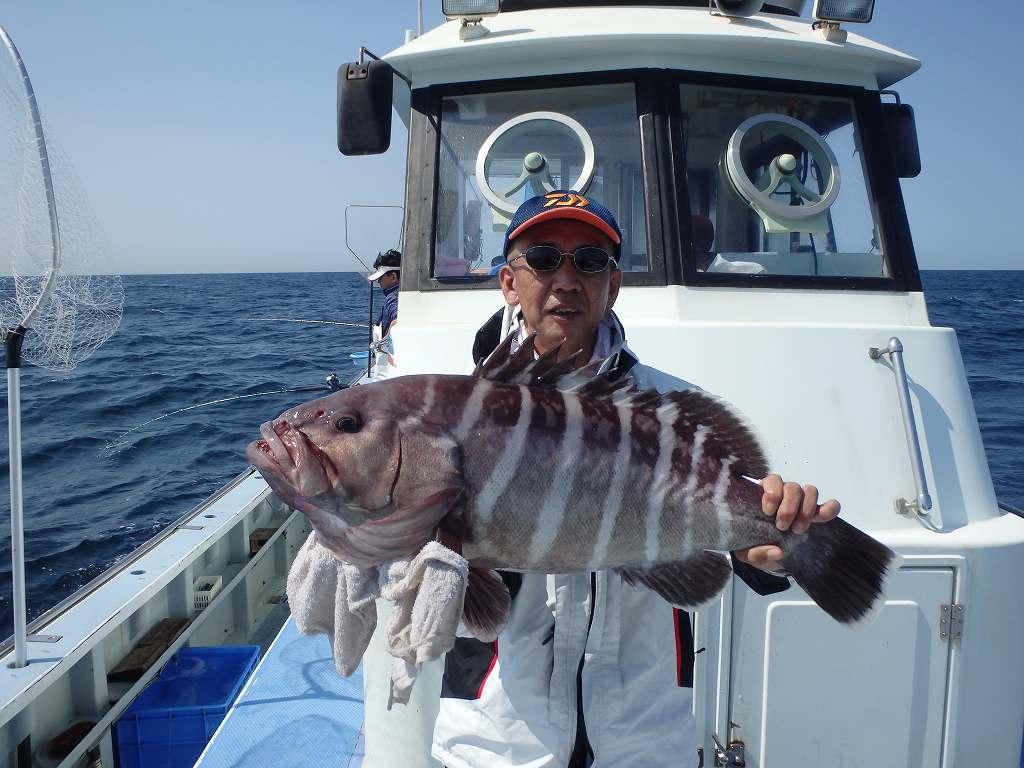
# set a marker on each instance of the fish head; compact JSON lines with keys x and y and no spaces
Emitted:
{"x":336,"y":458}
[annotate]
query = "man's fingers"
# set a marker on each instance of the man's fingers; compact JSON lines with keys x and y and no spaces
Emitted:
{"x":772,"y":496}
{"x":808,"y":510}
{"x":827,"y":511}
{"x":793,"y":506}
{"x":792,"y":499}
{"x":766,"y":556}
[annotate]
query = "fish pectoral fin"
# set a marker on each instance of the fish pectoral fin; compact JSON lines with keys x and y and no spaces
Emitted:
{"x":485,"y":610}
{"x":686,"y":583}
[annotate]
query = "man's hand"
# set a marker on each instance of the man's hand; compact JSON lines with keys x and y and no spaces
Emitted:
{"x":795,"y":508}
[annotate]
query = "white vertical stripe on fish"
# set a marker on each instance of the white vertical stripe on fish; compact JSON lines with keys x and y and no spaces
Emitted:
{"x":616,"y":489}
{"x":568,"y":459}
{"x":696,"y":455}
{"x":425,"y":405}
{"x":660,"y":478}
{"x":690,"y":488}
{"x":505,"y":467}
{"x":724,"y":516}
{"x":471,"y":411}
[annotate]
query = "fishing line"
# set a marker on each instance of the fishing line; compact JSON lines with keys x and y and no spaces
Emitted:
{"x":333,"y":385}
{"x":299,"y":320}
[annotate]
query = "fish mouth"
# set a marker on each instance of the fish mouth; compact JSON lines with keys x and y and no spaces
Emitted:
{"x":296,"y":468}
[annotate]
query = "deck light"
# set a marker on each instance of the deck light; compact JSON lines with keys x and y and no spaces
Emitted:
{"x":859,"y":11}
{"x":472,"y":13}
{"x":470,"y":9}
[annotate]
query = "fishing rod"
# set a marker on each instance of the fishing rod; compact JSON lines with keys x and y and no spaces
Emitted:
{"x":332,"y":384}
{"x":301,"y":320}
{"x":348,"y":245}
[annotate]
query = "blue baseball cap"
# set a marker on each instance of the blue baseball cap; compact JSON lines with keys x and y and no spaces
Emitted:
{"x":563,"y":204}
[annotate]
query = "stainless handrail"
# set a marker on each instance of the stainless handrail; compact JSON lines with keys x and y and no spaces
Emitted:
{"x":923,"y":502}
{"x":41,"y":621}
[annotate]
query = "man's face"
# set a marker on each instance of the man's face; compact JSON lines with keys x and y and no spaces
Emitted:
{"x":387,"y":279}
{"x":564,"y":303}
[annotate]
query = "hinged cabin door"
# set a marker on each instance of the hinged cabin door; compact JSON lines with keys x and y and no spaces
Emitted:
{"x":807,"y":691}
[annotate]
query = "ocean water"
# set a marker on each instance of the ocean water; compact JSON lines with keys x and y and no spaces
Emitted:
{"x":97,"y":484}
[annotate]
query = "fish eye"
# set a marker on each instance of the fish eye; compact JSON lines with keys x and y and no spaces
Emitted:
{"x":348,"y":423}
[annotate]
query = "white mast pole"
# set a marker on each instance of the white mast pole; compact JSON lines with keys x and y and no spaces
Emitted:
{"x":419,"y":18}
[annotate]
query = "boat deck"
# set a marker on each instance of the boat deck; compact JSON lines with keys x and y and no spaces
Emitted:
{"x":295,"y":709}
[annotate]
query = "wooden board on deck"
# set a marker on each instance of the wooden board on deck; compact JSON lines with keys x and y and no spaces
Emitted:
{"x":147,"y":650}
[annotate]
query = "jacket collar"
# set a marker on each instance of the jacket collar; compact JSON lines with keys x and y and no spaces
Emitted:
{"x":611,"y":347}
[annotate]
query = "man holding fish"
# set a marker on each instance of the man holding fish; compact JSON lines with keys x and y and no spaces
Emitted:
{"x":560,"y":282}
{"x":591,"y":496}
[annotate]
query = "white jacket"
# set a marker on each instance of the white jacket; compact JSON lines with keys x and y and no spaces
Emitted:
{"x":637,"y":657}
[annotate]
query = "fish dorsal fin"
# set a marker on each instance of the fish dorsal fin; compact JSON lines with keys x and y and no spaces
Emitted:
{"x":605,"y":385}
{"x":501,"y":356}
{"x":647,"y":398}
{"x":726,"y":432}
{"x":523,"y":366}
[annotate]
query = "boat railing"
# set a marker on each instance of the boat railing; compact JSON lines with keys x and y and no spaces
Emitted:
{"x":1013,"y":510}
{"x":111,"y":715}
{"x":45,"y":618}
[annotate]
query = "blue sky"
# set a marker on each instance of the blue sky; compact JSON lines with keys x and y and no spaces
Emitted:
{"x":204,"y":132}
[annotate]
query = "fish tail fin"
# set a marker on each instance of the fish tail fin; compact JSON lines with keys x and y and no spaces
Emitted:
{"x":841,"y":568}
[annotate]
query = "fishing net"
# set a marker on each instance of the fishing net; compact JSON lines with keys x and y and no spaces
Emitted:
{"x":83,"y":306}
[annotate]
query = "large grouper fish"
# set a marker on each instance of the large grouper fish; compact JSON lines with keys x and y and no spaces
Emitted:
{"x":528,"y":465}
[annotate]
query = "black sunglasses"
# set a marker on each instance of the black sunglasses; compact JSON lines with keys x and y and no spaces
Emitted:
{"x":547,"y":258}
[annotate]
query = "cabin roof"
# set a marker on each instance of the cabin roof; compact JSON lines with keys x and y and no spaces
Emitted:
{"x":565,"y":40}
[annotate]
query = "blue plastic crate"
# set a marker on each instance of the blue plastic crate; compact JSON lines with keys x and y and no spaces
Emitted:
{"x":171,"y":721}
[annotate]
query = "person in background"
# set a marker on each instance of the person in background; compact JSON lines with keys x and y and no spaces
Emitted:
{"x":387,"y":271}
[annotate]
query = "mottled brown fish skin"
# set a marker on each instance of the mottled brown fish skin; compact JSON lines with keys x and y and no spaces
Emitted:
{"x":613,"y":485}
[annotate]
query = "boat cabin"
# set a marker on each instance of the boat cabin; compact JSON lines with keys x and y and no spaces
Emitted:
{"x":752,"y":154}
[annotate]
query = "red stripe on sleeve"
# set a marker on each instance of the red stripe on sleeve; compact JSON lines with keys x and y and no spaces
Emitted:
{"x":487,"y":674}
{"x":679,"y":646}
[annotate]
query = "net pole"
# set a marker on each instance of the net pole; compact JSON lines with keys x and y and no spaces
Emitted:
{"x":12,"y":344}
{"x":13,"y":349}
{"x":44,"y":162}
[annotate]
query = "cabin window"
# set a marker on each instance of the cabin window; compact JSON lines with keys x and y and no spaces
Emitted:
{"x":498,"y":149}
{"x":777,"y":184}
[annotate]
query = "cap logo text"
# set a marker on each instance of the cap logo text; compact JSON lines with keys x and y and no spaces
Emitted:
{"x":568,"y":199}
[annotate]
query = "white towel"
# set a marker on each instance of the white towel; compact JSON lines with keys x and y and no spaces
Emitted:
{"x":328,"y":596}
{"x":428,"y":591}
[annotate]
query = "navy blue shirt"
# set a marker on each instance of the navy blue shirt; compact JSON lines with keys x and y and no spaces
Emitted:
{"x":388,"y":310}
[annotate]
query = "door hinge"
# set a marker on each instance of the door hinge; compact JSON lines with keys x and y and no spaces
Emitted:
{"x":951,"y":621}
{"x":733,"y":753}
